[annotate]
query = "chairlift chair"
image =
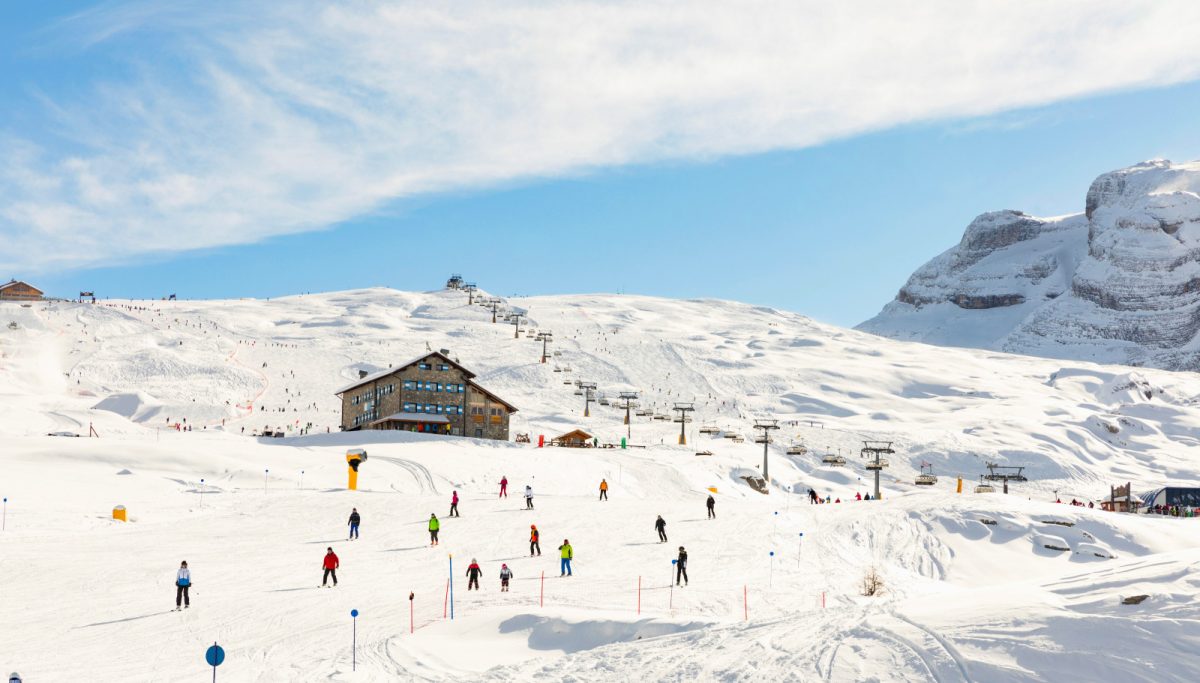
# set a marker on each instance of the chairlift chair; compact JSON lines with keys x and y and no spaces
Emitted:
{"x":876,"y":464}
{"x":796,"y":449}
{"x":984,"y":487}
{"x":834,"y":460}
{"x":926,"y":477}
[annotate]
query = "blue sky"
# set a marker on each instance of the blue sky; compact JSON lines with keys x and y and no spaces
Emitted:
{"x":828,"y":223}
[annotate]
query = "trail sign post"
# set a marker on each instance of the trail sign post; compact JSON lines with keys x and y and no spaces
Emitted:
{"x":214,"y":655}
{"x":354,"y":640}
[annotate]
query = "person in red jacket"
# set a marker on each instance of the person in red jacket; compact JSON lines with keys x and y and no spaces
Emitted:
{"x":473,"y":574}
{"x":331,"y":565}
{"x":503,"y":487}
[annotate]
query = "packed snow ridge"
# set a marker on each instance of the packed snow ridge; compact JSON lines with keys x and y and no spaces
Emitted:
{"x":1118,"y":283}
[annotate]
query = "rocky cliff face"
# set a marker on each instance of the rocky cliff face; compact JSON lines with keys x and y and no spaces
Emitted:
{"x":1118,"y":283}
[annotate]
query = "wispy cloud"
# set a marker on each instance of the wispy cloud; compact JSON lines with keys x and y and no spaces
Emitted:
{"x":239,"y":126}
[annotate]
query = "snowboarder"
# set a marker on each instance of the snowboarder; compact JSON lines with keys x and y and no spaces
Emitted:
{"x":603,"y":489}
{"x":473,"y":574}
{"x":183,"y":581}
{"x":331,"y":565}
{"x":712,"y":507}
{"x":660,"y":525}
{"x":528,"y":497}
{"x":567,"y":553}
{"x":534,"y":543}
{"x":454,"y":504}
{"x":434,"y":525}
{"x":505,"y":575}
{"x":681,"y":567}
{"x":354,"y":520}
{"x":503,"y":487}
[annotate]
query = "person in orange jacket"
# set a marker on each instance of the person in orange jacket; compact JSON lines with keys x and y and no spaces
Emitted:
{"x":603,"y":489}
{"x":534,"y":544}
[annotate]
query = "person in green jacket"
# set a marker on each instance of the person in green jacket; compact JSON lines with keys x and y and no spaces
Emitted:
{"x":434,"y":525}
{"x":567,"y":553}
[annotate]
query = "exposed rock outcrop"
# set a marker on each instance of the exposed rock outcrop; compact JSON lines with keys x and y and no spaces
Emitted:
{"x":1118,"y":283}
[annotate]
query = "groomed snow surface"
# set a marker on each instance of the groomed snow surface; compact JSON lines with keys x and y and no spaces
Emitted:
{"x":976,"y":587}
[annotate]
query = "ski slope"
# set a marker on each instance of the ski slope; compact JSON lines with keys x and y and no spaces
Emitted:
{"x":971,"y":590}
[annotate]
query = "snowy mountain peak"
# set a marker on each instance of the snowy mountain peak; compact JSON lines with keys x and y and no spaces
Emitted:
{"x":1118,"y":283}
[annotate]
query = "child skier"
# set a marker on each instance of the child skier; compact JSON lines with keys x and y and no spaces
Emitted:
{"x":534,"y":544}
{"x":661,"y":527}
{"x":331,"y":565}
{"x":354,"y":521}
{"x":454,"y":504}
{"x":528,"y":497}
{"x":473,"y":574}
{"x":567,"y":553}
{"x":434,"y":525}
{"x":183,"y":581}
{"x":505,"y":575}
{"x":603,"y":489}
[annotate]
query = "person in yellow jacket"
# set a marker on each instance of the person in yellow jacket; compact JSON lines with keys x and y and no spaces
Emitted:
{"x":567,"y":553}
{"x":603,"y":489}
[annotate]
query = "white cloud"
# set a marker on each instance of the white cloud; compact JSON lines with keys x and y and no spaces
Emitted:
{"x":306,"y":114}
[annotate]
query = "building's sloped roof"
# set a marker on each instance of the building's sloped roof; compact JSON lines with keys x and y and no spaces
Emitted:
{"x":393,"y":370}
{"x":574,"y":432}
{"x":13,"y":283}
{"x":414,"y":417}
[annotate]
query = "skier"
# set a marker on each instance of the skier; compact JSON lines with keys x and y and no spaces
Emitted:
{"x":712,"y":507}
{"x":534,"y":543}
{"x":567,"y":553}
{"x":503,"y":487}
{"x":528,"y":497}
{"x":183,"y":581}
{"x":661,"y":527}
{"x":505,"y":575}
{"x":354,"y":520}
{"x":857,"y":495}
{"x":434,"y":525}
{"x":812,"y":497}
{"x":473,"y":574}
{"x":681,"y":567}
{"x":454,"y":504}
{"x":331,"y":565}
{"x":603,"y":489}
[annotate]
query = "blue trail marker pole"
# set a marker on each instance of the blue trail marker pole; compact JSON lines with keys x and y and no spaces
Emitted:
{"x":771,"y":582}
{"x":671,"y":585}
{"x":354,"y":640}
{"x":799,"y":548}
{"x":214,"y":656}
{"x":452,"y":587}
{"x":202,"y":492}
{"x":301,"y":480}
{"x":4,"y":518}
{"x":266,"y":473}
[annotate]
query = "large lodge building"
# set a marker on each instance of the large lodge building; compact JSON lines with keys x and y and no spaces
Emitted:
{"x":432,"y":394}
{"x":19,"y":291}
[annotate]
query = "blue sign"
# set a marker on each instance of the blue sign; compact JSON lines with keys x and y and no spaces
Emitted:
{"x":215,"y":655}
{"x":354,"y":613}
{"x":674,"y":561}
{"x":772,"y":553}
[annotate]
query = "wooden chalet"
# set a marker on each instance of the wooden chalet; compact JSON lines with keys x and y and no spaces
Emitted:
{"x":576,"y":438}
{"x":15,"y":290}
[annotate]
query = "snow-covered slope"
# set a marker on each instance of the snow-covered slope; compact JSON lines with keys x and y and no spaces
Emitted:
{"x":1119,"y":283}
{"x":969,"y":577}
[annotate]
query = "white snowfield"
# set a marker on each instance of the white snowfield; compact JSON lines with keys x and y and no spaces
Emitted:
{"x":976,"y":587}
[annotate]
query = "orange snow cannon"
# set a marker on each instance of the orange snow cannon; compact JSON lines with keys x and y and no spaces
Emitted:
{"x":354,"y":458}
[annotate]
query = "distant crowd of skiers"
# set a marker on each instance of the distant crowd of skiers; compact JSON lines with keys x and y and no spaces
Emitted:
{"x":330,"y":563}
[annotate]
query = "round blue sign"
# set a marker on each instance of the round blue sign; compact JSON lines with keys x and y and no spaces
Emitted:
{"x":674,"y":561}
{"x":354,"y":613}
{"x":215,"y":655}
{"x":772,"y":553}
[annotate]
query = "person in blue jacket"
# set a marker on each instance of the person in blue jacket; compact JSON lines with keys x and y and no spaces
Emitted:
{"x":183,"y":581}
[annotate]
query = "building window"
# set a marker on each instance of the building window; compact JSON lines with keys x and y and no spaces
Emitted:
{"x":410,"y":407}
{"x":433,"y":386}
{"x":424,"y":366}
{"x":443,"y":367}
{"x":409,"y":384}
{"x":478,"y":433}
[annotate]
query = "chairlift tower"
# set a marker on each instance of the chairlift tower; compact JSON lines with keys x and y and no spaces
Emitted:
{"x":545,"y":338}
{"x":683,"y":409}
{"x":1006,"y":473}
{"x":587,"y":388}
{"x":470,"y":288}
{"x":877,"y":448}
{"x":516,"y":321}
{"x":766,"y":426}
{"x":627,"y":402}
{"x":495,"y":302}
